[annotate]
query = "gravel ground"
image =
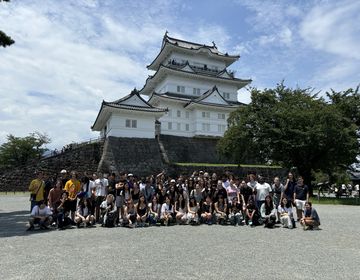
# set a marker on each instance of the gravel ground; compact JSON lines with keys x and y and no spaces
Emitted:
{"x":180,"y":252}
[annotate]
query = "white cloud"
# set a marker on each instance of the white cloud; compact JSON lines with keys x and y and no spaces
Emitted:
{"x":334,"y":28}
{"x":60,"y":56}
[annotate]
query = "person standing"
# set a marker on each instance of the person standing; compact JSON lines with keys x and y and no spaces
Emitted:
{"x":101,"y":185}
{"x":301,"y":196}
{"x":262,"y":189}
{"x":289,"y":188}
{"x":278,"y":190}
{"x":73,"y":187}
{"x":36,"y":189}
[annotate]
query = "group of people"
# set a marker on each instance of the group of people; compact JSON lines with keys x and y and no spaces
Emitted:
{"x":201,"y":198}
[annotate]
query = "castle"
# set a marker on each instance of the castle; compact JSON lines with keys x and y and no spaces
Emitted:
{"x":191,"y":94}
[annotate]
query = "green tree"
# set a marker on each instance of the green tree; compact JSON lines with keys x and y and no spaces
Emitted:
{"x":295,"y":128}
{"x":20,"y":150}
{"x":5,"y":40}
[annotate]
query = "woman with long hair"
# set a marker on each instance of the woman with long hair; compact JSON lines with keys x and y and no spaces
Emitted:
{"x":286,"y":213}
{"x":268,"y":212}
{"x":180,"y":209}
{"x":142,"y":211}
{"x":83,"y":214}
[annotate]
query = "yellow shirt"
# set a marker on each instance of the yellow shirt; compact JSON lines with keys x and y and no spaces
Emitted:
{"x":72,"y":187}
{"x":37,"y":186}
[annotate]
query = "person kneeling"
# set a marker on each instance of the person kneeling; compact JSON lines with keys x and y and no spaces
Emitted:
{"x":41,"y":215}
{"x":235,"y":212}
{"x":268,"y":212}
{"x":130,"y":214}
{"x":286,"y":214}
{"x":63,"y":212}
{"x":310,"y":219}
{"x":108,"y":211}
{"x":83,"y":214}
{"x":167,"y":212}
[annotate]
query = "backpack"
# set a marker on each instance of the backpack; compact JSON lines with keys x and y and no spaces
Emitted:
{"x":110,"y":219}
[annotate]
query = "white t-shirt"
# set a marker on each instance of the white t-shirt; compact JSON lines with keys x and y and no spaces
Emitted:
{"x":262,"y":190}
{"x":37,"y":211}
{"x":84,"y":212}
{"x":165,"y":208}
{"x":91,"y":186}
{"x":100,"y":185}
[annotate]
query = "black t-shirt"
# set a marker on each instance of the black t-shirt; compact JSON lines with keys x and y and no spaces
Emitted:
{"x":118,"y":191}
{"x":289,"y":192}
{"x":246,"y":191}
{"x":301,"y":192}
{"x":66,"y":206}
{"x":206,"y":208}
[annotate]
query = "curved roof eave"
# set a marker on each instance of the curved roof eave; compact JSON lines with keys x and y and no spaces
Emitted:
{"x":227,"y":57}
{"x":98,"y":116}
{"x":234,"y":80}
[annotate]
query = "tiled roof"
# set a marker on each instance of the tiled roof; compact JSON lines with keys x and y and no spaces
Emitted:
{"x":133,"y":107}
{"x":194,"y":46}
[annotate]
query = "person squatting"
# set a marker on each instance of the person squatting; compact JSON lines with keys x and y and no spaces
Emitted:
{"x":201,"y":198}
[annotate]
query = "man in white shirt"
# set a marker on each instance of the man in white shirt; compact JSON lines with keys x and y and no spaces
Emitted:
{"x":101,"y":185}
{"x":41,"y":215}
{"x":262,"y":190}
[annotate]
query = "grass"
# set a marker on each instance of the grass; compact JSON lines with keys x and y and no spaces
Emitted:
{"x":337,"y":201}
{"x":225,"y":165}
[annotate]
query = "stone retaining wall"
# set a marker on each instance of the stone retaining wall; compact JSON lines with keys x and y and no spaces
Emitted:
{"x":185,"y":149}
{"x":82,"y":158}
{"x":136,"y":155}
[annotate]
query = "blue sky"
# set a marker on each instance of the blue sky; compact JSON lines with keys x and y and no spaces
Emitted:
{"x":70,"y":55}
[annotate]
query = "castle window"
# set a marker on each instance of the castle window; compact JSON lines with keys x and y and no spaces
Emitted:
{"x":178,"y":126}
{"x":206,"y":115}
{"x":196,"y":91}
{"x":180,"y":89}
{"x":221,"y":128}
{"x":187,"y":114}
{"x":221,"y":116}
{"x":187,"y":127}
{"x":178,"y":113}
{"x":131,"y":123}
{"x":206,"y":127}
{"x":169,"y":125}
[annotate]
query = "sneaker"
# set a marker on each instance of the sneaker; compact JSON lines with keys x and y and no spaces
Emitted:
{"x":30,"y":228}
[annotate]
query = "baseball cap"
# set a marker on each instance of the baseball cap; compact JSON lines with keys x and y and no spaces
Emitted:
{"x":63,"y":171}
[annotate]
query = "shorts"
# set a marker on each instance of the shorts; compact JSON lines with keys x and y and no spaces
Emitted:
{"x":300,"y":204}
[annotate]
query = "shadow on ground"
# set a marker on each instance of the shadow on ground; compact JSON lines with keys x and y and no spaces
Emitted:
{"x":15,"y":224}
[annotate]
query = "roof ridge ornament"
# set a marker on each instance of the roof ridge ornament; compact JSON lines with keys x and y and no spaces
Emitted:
{"x":134,"y":91}
{"x":214,"y":45}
